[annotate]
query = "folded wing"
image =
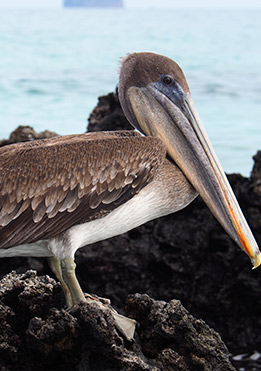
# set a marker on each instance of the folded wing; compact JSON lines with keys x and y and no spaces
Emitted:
{"x":48,"y":186}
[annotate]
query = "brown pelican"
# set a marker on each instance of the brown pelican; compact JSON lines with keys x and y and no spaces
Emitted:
{"x":58,"y":195}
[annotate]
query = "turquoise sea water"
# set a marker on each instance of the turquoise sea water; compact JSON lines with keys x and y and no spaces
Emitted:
{"x":55,"y":63}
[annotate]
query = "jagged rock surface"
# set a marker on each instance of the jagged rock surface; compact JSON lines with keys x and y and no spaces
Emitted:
{"x":33,"y":336}
{"x":25,"y":134}
{"x":108,"y":115}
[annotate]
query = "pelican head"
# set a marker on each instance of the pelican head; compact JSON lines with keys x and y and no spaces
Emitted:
{"x":156,"y":99}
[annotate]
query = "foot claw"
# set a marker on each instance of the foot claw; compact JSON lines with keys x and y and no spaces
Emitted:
{"x":97,"y":298}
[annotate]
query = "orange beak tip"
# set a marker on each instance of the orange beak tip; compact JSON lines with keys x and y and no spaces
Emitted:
{"x":256,"y":261}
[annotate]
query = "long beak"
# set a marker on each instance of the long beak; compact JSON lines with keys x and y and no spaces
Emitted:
{"x":177,"y":123}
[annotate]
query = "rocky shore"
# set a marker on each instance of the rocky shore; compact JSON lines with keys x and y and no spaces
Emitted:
{"x":147,"y":273}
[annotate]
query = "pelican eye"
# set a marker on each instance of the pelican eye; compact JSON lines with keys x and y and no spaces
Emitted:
{"x":167,"y":80}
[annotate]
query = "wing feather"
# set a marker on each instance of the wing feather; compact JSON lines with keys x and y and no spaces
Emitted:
{"x":48,"y":186}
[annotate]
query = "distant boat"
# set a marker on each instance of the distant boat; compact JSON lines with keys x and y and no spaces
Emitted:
{"x":93,"y":3}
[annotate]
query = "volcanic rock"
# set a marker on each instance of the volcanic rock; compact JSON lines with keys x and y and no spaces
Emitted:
{"x":108,"y":115}
{"x":25,"y":134}
{"x":37,"y":334}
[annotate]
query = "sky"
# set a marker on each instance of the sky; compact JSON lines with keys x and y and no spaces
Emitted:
{"x":138,"y":3}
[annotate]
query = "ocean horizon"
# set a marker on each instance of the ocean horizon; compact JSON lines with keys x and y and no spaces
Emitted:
{"x":56,"y":63}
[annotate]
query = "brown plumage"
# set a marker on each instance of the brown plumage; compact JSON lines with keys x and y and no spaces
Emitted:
{"x":47,"y":186}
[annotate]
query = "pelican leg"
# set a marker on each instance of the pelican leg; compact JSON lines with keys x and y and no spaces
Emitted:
{"x":68,"y":272}
{"x":55,"y":266}
{"x":65,"y":273}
